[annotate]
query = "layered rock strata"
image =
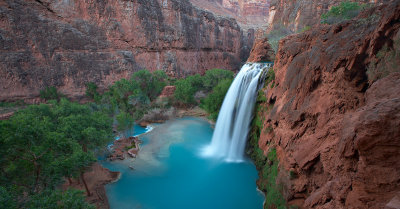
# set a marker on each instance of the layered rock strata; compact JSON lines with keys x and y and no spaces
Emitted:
{"x":70,"y":43}
{"x":297,"y":14}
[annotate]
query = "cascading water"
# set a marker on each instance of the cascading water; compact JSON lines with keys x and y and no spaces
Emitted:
{"x":233,"y":123}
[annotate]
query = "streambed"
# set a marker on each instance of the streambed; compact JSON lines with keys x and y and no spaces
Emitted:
{"x":170,"y":173}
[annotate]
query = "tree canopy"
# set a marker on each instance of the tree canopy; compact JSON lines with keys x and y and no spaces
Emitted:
{"x":42,"y":144}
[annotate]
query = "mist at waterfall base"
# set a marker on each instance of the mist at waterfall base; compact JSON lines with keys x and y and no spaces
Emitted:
{"x":233,"y":123}
{"x":169,"y":173}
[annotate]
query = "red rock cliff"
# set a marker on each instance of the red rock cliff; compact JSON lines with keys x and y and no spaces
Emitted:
{"x":297,"y":14}
{"x":69,"y":43}
{"x":337,"y":137}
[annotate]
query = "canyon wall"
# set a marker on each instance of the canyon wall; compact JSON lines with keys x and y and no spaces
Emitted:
{"x":250,"y":14}
{"x":336,"y":134}
{"x":296,"y":14}
{"x":248,"y":7}
{"x":68,"y":43}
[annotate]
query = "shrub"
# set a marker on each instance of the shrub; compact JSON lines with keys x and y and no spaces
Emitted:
{"x":305,"y":28}
{"x":270,"y":76}
{"x":212,"y":103}
{"x":277,"y":33}
{"x":344,"y":11}
{"x":133,"y":145}
{"x":387,"y":61}
{"x":50,"y":93}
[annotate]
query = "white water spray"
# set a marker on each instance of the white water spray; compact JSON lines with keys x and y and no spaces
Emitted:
{"x":233,"y":123}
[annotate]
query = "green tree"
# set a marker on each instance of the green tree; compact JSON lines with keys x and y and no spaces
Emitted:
{"x":50,"y":93}
{"x":213,"y":102}
{"x":91,"y":92}
{"x":125,"y":124}
{"x":44,"y":143}
{"x":161,"y":80}
{"x":151,"y":84}
{"x":34,"y":148}
{"x":215,"y":76}
{"x":88,"y":128}
{"x":186,"y":89}
{"x":55,"y":199}
{"x":7,"y":199}
{"x":121,"y":90}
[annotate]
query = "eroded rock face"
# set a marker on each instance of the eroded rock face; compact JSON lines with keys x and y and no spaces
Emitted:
{"x":261,"y":52}
{"x":248,"y":7}
{"x":70,"y":43}
{"x":251,"y":15}
{"x":296,"y":14}
{"x":168,"y":91}
{"x":337,"y":137}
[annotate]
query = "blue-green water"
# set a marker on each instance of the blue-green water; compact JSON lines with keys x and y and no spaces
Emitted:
{"x":171,"y":174}
{"x":136,"y":130}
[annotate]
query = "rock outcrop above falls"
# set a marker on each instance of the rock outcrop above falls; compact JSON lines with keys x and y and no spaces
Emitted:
{"x":296,"y":14}
{"x":261,"y":52}
{"x":70,"y":43}
{"x":337,"y":135}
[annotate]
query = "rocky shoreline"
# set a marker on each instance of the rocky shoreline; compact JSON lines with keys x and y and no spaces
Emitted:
{"x":171,"y":113}
{"x":125,"y":151}
{"x":124,"y":147}
{"x":96,"y":178}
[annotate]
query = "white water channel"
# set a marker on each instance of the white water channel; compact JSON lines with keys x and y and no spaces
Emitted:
{"x":233,"y":123}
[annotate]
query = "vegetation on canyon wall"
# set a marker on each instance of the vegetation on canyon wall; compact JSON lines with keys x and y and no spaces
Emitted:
{"x":344,"y":11}
{"x":266,"y":163}
{"x":42,"y":145}
{"x":278,"y":32}
{"x":50,"y":93}
{"x":336,"y":112}
{"x":386,"y":61}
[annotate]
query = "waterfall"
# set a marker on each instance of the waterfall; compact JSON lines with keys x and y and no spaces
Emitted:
{"x":233,"y":123}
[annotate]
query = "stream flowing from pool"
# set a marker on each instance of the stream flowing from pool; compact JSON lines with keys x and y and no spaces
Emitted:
{"x":170,"y":173}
